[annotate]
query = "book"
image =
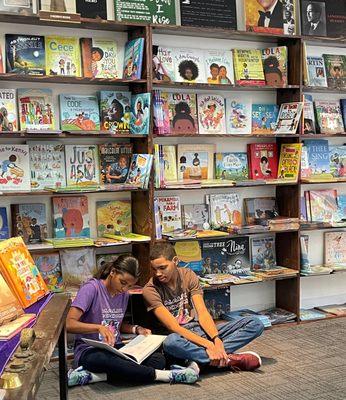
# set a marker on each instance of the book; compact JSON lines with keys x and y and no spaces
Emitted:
{"x":341,"y":207}
{"x":140,"y":169}
{"x":264,"y":117}
{"x":64,"y":6}
{"x":133,"y":59}
{"x":71,"y":217}
{"x":22,"y":7}
{"x":328,"y":117}
{"x":129,"y":237}
{"x":224,"y":210}
{"x":8,"y":110}
{"x":79,"y":113}
{"x":50,"y":268}
{"x":10,"y":329}
{"x":115,"y":110}
{"x":260,"y":209}
{"x":217,"y":302}
{"x":263,"y":160}
{"x":309,"y":124}
{"x":335,"y":70}
{"x":92,"y":9}
{"x":318,"y":156}
{"x":248,"y":67}
{"x":85,"y":49}
{"x":263,"y":253}
{"x":195,"y":161}
{"x":25,"y":54}
{"x":231,"y":166}
{"x":316,"y":72}
{"x":335,"y":309}
{"x":278,"y":315}
{"x":182,"y":113}
{"x":337,"y":157}
{"x":195,"y":216}
{"x":114,"y":162}
{"x":4,"y":230}
{"x":219,"y":67}
{"x":239,"y":314}
{"x":290,"y":17}
{"x":323,"y":205}
{"x":256,"y":19}
{"x":335,"y":247}
{"x":104,"y":58}
{"x":20,"y":272}
{"x":211,"y":114}
{"x":189,"y":65}
{"x":114,"y":217}
{"x":170,"y":213}
{"x":289,"y":162}
{"x":169,"y":156}
{"x":140,"y":113}
{"x":288,"y":118}
{"x":313,"y":17}
{"x":157,"y":220}
{"x":163,"y":66}
{"x":82,"y":165}
{"x":36,"y":110}
{"x":275,"y":65}
{"x":14,"y":167}
{"x":238,"y":115}
{"x":335,"y":18}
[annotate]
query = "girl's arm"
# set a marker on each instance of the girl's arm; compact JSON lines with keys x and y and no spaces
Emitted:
{"x":128,"y":328}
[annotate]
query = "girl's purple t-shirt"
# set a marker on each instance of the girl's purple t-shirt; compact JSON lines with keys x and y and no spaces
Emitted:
{"x":98,"y":307}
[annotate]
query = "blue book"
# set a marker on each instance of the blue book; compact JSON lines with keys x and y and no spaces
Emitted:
{"x":337,"y":156}
{"x":341,"y":207}
{"x":4,"y":230}
{"x":318,"y":156}
{"x":217,"y":301}
{"x":264,"y":117}
{"x":133,"y":59}
{"x":232,"y":166}
{"x":139,"y":171}
{"x":140,"y":114}
{"x":343,"y":110}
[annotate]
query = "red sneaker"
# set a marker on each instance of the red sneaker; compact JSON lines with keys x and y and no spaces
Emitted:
{"x":247,"y":361}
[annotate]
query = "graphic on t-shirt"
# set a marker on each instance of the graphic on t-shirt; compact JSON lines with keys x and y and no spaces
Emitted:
{"x":180,"y":308}
{"x":111,"y":318}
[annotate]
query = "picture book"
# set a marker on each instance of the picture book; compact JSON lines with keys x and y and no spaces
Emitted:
{"x":323,"y":205}
{"x":82,"y":165}
{"x":115,"y":108}
{"x":189,"y":65}
{"x":309,"y":125}
{"x":150,"y":12}
{"x":140,"y":113}
{"x":211,"y":114}
{"x":289,"y":162}
{"x":288,"y":118}
{"x":335,"y":70}
{"x":341,"y":207}
{"x":260,"y":209}
{"x":218,"y":302}
{"x":67,"y":6}
{"x":316,"y":71}
{"x":114,"y":217}
{"x":264,"y":17}
{"x":248,"y":67}
{"x":263,"y":160}
{"x":313,"y":17}
{"x":195,"y":216}
{"x":219,"y":67}
{"x":22,"y":7}
{"x":79,"y":113}
{"x":104,"y":58}
{"x":337,"y":157}
{"x":63,"y":56}
{"x":328,"y":116}
{"x":278,"y":315}
{"x":182,"y":113}
{"x":25,"y":54}
{"x":4,"y":230}
{"x":2,"y":67}
{"x":305,"y":171}
{"x":14,"y":167}
{"x":71,"y":217}
{"x":231,"y":166}
{"x":189,"y":254}
{"x":36,"y":110}
{"x":92,"y":9}
{"x":157,"y":220}
{"x":238,"y":115}
{"x":289,"y":17}
{"x":133,"y":59}
{"x":114,"y":162}
{"x":305,"y":266}
{"x":29,"y":221}
{"x":50,"y":268}
{"x":318,"y":156}
{"x":170,"y":213}
{"x":335,"y":247}
{"x":161,"y":125}
{"x":195,"y":161}
{"x":8,"y":110}
{"x":169,"y":163}
{"x":139,"y":172}
{"x":264,"y":117}
{"x":275,"y":66}
{"x":263,"y":252}
{"x":47,"y":165}
{"x":224,"y":210}
{"x":85,"y":49}
{"x":20,"y":272}
{"x":163,"y":66}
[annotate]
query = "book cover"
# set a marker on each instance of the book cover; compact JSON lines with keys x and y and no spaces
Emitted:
{"x":29,"y":221}
{"x":290,"y":17}
{"x":71,"y":217}
{"x":115,"y":108}
{"x":36,"y":109}
{"x":289,"y":162}
{"x":289,"y":117}
{"x":92,"y":9}
{"x":316,"y":71}
{"x":341,"y":207}
{"x":238,"y":115}
{"x":335,"y":18}
{"x":264,"y":117}
{"x":335,"y":309}
{"x":169,"y":163}
{"x":14,"y":167}
{"x":104,"y":58}
{"x":21,"y":7}
{"x":25,"y":54}
{"x":163,"y":66}
{"x":8,"y":110}
{"x":343,"y":110}
{"x":259,"y":209}
{"x":161,"y":124}
{"x":217,"y":302}
{"x":335,"y":247}
{"x":195,"y":161}
{"x":248,"y":67}
{"x":140,"y":168}
{"x":263,"y":160}
{"x":323,"y":205}
{"x":211,"y":114}
{"x":318,"y":156}
{"x":195,"y":216}
{"x":309,"y":124}
{"x":264,"y":16}
{"x":219,"y":67}
{"x":335,"y":70}
{"x":62,"y":56}
{"x":82,"y":165}
{"x":263,"y":253}
{"x":275,"y":66}
{"x":189,"y":65}
{"x":224,"y":210}
{"x":86,"y":57}
{"x":140,"y":113}
{"x":114,"y":162}
{"x":68,"y":6}
{"x":328,"y":116}
{"x":79,"y":113}
{"x":182,"y":113}
{"x":231,"y":166}
{"x":113,"y":217}
{"x":9,"y":304}
{"x":170,"y":213}
{"x":133,"y":59}
{"x":337,"y":157}
{"x":4,"y":230}
{"x":313,"y":17}
{"x":50,"y":268}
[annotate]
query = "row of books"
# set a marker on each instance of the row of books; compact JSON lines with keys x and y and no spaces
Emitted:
{"x":321,"y":312}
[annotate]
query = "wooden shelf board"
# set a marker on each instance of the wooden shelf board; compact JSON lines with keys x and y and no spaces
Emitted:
{"x":64,"y":135}
{"x":323,"y":135}
{"x":185,"y":85}
{"x":320,"y":228}
{"x":226,"y":186}
{"x":323,"y":89}
{"x":77,"y":192}
{"x":323,"y":41}
{"x":227,"y":135}
{"x":323,"y":181}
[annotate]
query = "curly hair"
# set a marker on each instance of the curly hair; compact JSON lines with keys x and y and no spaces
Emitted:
{"x":188,"y":64}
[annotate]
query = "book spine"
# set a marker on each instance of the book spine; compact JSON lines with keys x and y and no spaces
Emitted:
{"x":158,"y":226}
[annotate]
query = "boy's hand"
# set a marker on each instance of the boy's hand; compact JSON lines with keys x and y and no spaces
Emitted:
{"x":143,"y":331}
{"x":216,"y":353}
{"x":107,"y":335}
{"x":220,"y":347}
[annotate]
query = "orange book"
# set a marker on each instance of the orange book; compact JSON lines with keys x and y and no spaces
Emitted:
{"x":20,"y":272}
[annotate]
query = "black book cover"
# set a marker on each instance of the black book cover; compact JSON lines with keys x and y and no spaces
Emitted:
{"x":313,"y":17}
{"x":92,"y":8}
{"x":336,"y":17}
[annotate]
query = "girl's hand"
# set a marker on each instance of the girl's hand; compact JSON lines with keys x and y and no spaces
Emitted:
{"x":143,"y":331}
{"x":107,"y":335}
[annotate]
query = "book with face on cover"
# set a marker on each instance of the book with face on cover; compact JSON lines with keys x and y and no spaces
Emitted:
{"x":335,"y":248}
{"x":115,"y":110}
{"x":328,"y":117}
{"x":238,"y":115}
{"x":224,"y":210}
{"x":8,"y":109}
{"x":316,"y":71}
{"x":263,"y":253}
{"x":264,"y":16}
{"x":113,"y":217}
{"x":133,"y":59}
{"x":211,"y":114}
{"x":170,"y":213}
{"x":189,"y":65}
{"x":248,"y":67}
{"x":219,"y":67}
{"x":337,"y":160}
{"x":182,"y":113}
{"x":288,"y":118}
{"x":218,"y":302}
{"x":335,"y":70}
{"x":163,"y":67}
{"x":50,"y":269}
{"x":195,"y":161}
{"x":231,"y":166}
{"x":14,"y":167}
{"x":114,"y":162}
{"x":104,"y":59}
{"x":275,"y":66}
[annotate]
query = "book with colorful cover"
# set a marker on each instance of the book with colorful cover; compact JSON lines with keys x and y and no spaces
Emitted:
{"x":4,"y":229}
{"x":328,"y":116}
{"x":114,"y":217}
{"x":8,"y":110}
{"x":316,"y":72}
{"x":275,"y":65}
{"x":219,"y":67}
{"x":260,"y":209}
{"x":114,"y":162}
{"x":231,"y":166}
{"x":140,"y":113}
{"x":238,"y":115}
{"x":305,"y":171}
{"x":195,"y":161}
{"x":182,"y":113}
{"x":190,"y":256}
{"x":163,"y":66}
{"x":25,"y":54}
{"x":288,"y":118}
{"x":189,"y":65}
{"x":14,"y":167}
{"x":263,"y":253}
{"x":65,"y":6}
{"x":224,"y":210}
{"x":139,"y":172}
{"x":248,"y":67}
{"x":195,"y":216}
{"x":335,"y":247}
{"x":289,"y":162}
{"x":71,"y":217}
{"x":104,"y":58}
{"x":115,"y":108}
{"x":50,"y":269}
{"x":82,"y":165}
{"x":335,"y":70}
{"x":337,"y":156}
{"x":256,"y":18}
{"x":21,"y":7}
{"x":323,"y":205}
{"x":263,"y":160}
{"x":133,"y":59}
{"x":62,"y":56}
{"x":217,"y":302}
{"x":309,"y":124}
{"x":169,"y":163}
{"x":318,"y":156}
{"x":79,"y":113}
{"x":92,"y":9}
{"x":170,"y":213}
{"x":211,"y":114}
{"x":264,"y":117}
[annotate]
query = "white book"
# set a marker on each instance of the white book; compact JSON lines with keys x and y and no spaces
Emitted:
{"x":238,"y":115}
{"x":189,"y":65}
{"x":211,"y":114}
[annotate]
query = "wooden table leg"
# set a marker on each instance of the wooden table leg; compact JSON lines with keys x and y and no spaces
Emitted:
{"x":62,"y":365}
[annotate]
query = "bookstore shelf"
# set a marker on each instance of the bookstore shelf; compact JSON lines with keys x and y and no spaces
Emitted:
{"x":250,"y":88}
{"x":321,"y":181}
{"x":245,"y":185}
{"x":70,"y":192}
{"x":320,"y":228}
{"x":321,"y":135}
{"x":49,"y":247}
{"x":65,"y":135}
{"x":323,"y":41}
{"x":228,"y":135}
{"x":315,"y":89}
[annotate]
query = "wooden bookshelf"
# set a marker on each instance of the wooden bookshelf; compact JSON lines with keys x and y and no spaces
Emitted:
{"x":315,"y":89}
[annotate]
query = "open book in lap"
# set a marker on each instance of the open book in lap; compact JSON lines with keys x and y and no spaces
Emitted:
{"x":137,"y":350}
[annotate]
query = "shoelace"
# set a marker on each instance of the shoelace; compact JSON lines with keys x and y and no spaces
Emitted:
{"x":178,"y":376}
{"x":83,"y":378}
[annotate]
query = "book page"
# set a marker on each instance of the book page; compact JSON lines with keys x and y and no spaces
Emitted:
{"x":142,"y":346}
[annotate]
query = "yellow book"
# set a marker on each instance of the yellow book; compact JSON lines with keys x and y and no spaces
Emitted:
{"x":289,"y":163}
{"x":248,"y":67}
{"x":170,"y":163}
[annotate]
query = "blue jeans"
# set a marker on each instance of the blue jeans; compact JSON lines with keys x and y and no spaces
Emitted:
{"x":234,"y":334}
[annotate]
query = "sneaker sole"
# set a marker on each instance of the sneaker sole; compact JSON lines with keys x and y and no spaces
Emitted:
{"x":254,"y":354}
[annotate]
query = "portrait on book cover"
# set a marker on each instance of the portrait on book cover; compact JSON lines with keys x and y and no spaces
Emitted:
{"x":264,"y":16}
{"x":313,"y":18}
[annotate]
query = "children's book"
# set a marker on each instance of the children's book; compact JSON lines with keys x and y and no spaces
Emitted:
{"x":341,"y":207}
{"x":163,"y":67}
{"x":224,"y":210}
{"x":211,"y":114}
{"x":195,"y":216}
{"x":63,"y":56}
{"x":263,"y":160}
{"x":337,"y":158}
{"x":114,"y":217}
{"x":147,"y":11}
{"x":275,"y":66}
{"x":263,"y":253}
{"x":278,"y":315}
{"x":36,"y":109}
{"x":79,"y":113}
{"x":335,"y":70}
{"x":195,"y":161}
{"x":264,"y":117}
{"x":139,"y":172}
{"x":248,"y":67}
{"x":289,"y":17}
{"x":182,"y":113}
{"x":305,"y":171}
{"x":20,"y":272}
{"x":328,"y":116}
{"x":316,"y":71}
{"x":309,"y":124}
{"x":160,"y":113}
{"x":218,"y":302}
{"x":323,"y":205}
{"x":85,"y":49}
{"x":114,"y":162}
{"x":318,"y":156}
{"x":189,"y":65}
{"x":104,"y":58}
{"x":257,"y":20}
{"x":14,"y":167}
{"x":115,"y":110}
{"x":4,"y":230}
{"x":140,"y":113}
{"x":133,"y":59}
{"x":260,"y":209}
{"x":71,"y":217}
{"x":50,"y":269}
{"x":335,"y":247}
{"x":82,"y":165}
{"x":190,"y":256}
{"x":289,"y":162}
{"x":170,"y":213}
{"x":335,"y":309}
{"x":169,"y":163}
{"x":92,"y":9}
{"x":29,"y":221}
{"x":8,"y":110}
{"x":22,"y":7}
{"x":231,"y":166}
{"x":25,"y":54}
{"x":62,"y":6}
{"x":219,"y":67}
{"x":238,"y":115}
{"x":289,"y":117}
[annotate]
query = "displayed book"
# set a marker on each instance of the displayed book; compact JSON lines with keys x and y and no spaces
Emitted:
{"x":316,"y":72}
{"x":335,"y":248}
{"x":114,"y":217}
{"x":189,"y":65}
{"x":50,"y":269}
{"x":4,"y":229}
{"x":219,"y":67}
{"x":328,"y":117}
{"x":238,"y":115}
{"x":157,"y":220}
{"x":169,"y":158}
{"x":14,"y":167}
{"x":239,"y":314}
{"x":129,"y":237}
{"x":92,"y":9}
{"x":104,"y":58}
{"x":217,"y":302}
{"x":335,"y":16}
{"x":8,"y":110}
{"x":288,"y":118}
{"x":264,"y":117}
{"x":305,"y":171}
{"x":25,"y":54}
{"x":182,"y":113}
{"x":262,"y":17}
{"x":195,"y":216}
{"x":79,"y":113}
{"x":260,"y":209}
{"x":163,"y":67}
{"x":64,"y":6}
{"x":13,"y":327}
{"x":335,"y":70}
{"x":323,"y":204}
{"x":62,"y":56}
{"x":67,"y":242}
{"x":263,"y":253}
{"x":275,"y":272}
{"x":20,"y":272}
{"x":211,"y":114}
{"x":290,"y":17}
{"x":140,"y":113}
{"x":140,"y":169}
{"x":195,"y":161}
{"x":82,"y":165}
{"x":316,"y":270}
{"x":231,"y":166}
{"x":71,"y":217}
{"x":115,"y":110}
{"x":337,"y":158}
{"x":275,"y":66}
{"x":114,"y":162}
{"x":248,"y":67}
{"x":309,"y":124}
{"x":341,"y":207}
{"x":133,"y":59}
{"x":170,"y":213}
{"x":335,"y":309}
{"x":190,"y":256}
{"x":263,"y":160}
{"x":318,"y":156}
{"x":22,"y":7}
{"x":224,"y":210}
{"x":278,"y":315}
{"x":311,"y":314}
{"x":289,"y":163}
{"x":313,"y":18}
